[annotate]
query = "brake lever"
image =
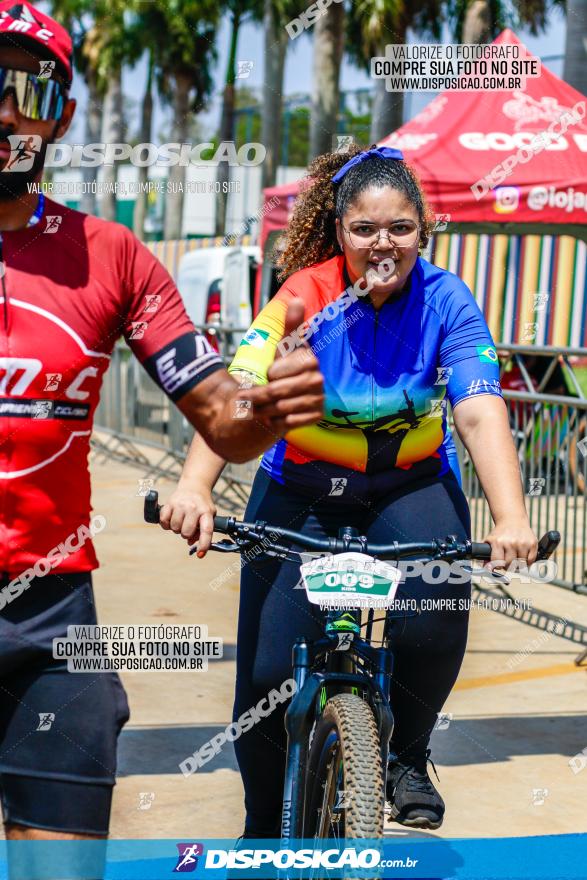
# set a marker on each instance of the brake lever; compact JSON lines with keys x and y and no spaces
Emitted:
{"x":224,"y":546}
{"x":491,"y":573}
{"x":486,"y":573}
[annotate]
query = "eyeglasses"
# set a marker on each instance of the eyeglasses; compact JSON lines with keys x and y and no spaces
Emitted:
{"x":37,"y":99}
{"x":403,"y":234}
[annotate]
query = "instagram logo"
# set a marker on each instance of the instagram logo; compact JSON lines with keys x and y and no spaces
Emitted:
{"x":507,"y":199}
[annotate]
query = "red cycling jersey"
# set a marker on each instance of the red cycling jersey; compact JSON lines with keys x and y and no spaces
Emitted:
{"x":70,"y":288}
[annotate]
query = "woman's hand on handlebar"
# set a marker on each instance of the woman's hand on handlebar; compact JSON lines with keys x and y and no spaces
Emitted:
{"x":511,"y":539}
{"x":190,"y":513}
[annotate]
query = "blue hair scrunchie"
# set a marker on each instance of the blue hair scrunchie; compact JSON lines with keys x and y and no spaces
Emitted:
{"x":382,"y":152}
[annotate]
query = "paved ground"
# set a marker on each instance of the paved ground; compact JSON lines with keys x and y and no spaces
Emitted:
{"x":516,"y":723}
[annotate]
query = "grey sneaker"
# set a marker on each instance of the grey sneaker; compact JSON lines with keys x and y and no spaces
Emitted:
{"x":413,"y":799}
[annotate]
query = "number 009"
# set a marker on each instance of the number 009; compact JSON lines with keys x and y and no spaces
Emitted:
{"x":348,"y":579}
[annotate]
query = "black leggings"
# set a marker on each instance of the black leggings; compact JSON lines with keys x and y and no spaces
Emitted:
{"x":428,"y":647}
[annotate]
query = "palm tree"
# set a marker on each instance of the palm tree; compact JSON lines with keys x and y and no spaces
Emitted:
{"x":117,"y":46}
{"x":372,"y":25}
{"x":75,"y":17}
{"x":328,"y":48}
{"x":239,"y":12}
{"x":183,"y":53}
{"x":480,"y":21}
{"x":101,"y":48}
{"x":276,"y":14}
{"x":112,"y":133}
{"x":575,"y":69}
{"x":476,"y":21}
{"x":276,"y":41}
{"x":140,"y":209}
{"x":144,"y":37}
{"x":88,"y":55}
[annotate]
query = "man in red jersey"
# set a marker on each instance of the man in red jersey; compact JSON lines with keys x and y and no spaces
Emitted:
{"x":70,"y":285}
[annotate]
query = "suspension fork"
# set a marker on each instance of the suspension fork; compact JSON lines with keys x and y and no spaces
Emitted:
{"x":383,"y":678}
{"x":297,"y":726}
{"x":385,"y":715}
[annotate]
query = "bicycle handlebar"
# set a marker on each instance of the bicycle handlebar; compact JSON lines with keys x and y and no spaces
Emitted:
{"x":257,"y":531}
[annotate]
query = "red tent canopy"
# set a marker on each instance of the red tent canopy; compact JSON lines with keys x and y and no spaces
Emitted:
{"x":460,"y":137}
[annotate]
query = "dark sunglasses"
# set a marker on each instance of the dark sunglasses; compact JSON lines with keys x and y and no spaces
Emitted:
{"x":37,"y":99}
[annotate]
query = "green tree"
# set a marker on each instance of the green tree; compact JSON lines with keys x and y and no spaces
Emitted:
{"x":295,"y":134}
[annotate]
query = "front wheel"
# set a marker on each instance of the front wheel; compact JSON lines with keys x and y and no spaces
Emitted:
{"x":345,"y":787}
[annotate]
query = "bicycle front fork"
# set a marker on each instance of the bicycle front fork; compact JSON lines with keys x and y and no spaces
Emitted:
{"x":298,"y":731}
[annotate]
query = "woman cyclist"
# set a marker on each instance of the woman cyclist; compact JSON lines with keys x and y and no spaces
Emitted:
{"x":396,"y":337}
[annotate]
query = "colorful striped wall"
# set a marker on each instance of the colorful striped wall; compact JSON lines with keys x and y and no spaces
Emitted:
{"x":506,"y":271}
{"x":170,"y":252}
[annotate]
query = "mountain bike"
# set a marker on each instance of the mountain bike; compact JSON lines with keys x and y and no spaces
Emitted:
{"x":339,"y":722}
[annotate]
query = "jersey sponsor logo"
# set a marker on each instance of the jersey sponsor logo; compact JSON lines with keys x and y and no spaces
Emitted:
{"x":37,"y":408}
{"x":181,"y":361}
{"x":256,"y":338}
{"x":487,"y":354}
{"x":47,"y":345}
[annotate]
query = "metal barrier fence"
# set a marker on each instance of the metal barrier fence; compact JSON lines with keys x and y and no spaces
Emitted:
{"x":136,"y":424}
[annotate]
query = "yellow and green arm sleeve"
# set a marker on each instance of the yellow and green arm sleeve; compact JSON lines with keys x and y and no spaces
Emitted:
{"x":256,"y":352}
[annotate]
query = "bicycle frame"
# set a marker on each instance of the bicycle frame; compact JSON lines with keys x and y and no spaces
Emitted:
{"x":301,"y":713}
{"x":350,"y":662}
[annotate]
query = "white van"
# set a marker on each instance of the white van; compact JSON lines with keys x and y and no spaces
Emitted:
{"x":217,"y":286}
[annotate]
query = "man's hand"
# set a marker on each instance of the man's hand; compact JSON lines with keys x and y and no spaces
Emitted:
{"x":293,"y":396}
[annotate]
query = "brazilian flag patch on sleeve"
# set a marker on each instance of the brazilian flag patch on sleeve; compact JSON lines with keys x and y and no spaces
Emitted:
{"x":487,"y":354}
{"x":257,"y":338}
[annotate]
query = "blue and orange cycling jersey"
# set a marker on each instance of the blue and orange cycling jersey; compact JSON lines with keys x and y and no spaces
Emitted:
{"x":388,"y":374}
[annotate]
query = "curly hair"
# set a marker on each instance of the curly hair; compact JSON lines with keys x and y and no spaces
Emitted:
{"x":311,"y":234}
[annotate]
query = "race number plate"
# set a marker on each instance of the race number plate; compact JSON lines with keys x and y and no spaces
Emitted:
{"x":350,"y":580}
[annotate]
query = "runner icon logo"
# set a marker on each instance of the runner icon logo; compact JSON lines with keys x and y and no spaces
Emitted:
{"x":46,"y":71}
{"x":46,"y":719}
{"x":22,"y":152}
{"x":53,"y":223}
{"x":187,"y":861}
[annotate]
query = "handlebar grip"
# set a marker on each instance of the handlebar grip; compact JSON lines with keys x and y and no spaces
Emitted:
{"x":221,"y":523}
{"x":546,"y":547}
{"x":152,"y":507}
{"x":548,"y":544}
{"x":480,"y":550}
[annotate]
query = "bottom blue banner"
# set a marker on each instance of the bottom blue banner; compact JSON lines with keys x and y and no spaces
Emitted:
{"x":557,"y":857}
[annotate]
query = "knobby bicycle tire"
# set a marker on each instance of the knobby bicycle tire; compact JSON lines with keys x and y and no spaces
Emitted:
{"x":346,"y":733}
